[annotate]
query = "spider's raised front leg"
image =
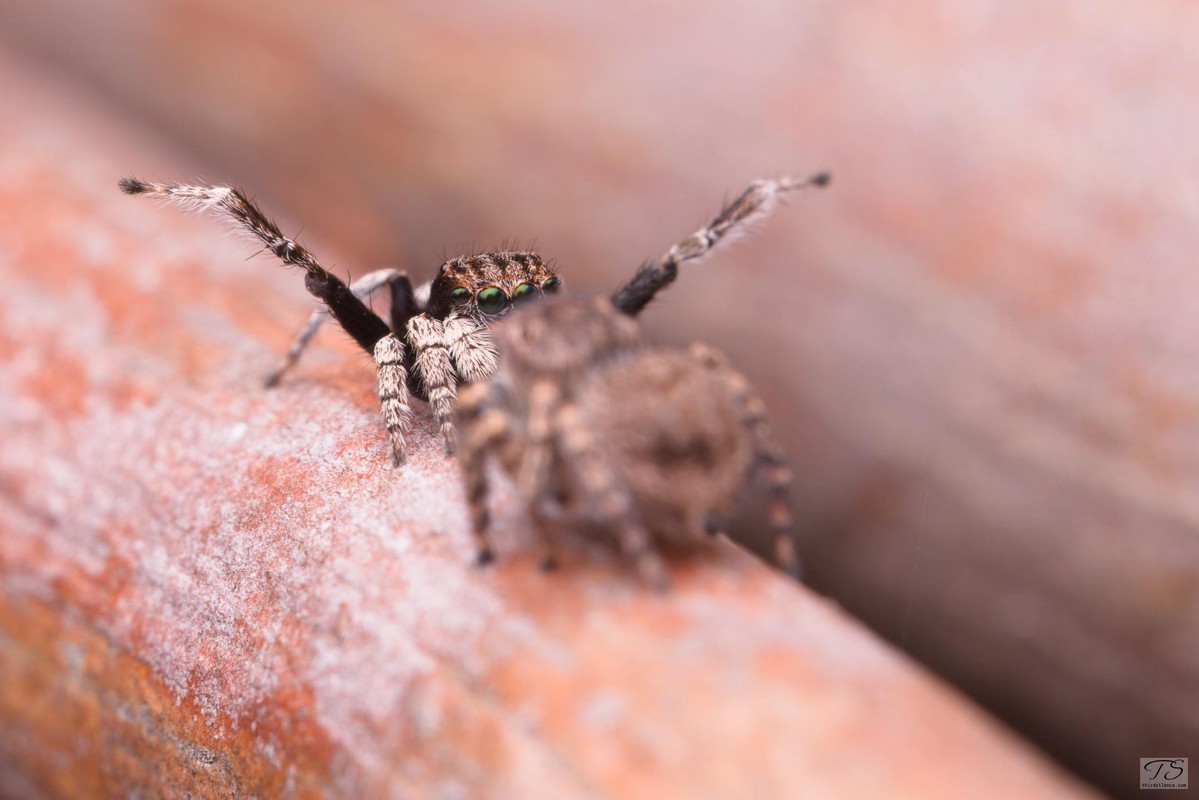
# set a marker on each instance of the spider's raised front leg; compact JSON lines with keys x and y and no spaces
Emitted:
{"x":372,"y":333}
{"x":363,"y":288}
{"x":353,"y":315}
{"x":768,"y":457}
{"x":471,"y":349}
{"x":757,"y":200}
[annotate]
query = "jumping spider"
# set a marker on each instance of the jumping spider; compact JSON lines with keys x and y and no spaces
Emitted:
{"x":437,"y":335}
{"x":652,"y":445}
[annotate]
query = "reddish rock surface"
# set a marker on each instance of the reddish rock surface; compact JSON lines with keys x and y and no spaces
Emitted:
{"x":210,"y":589}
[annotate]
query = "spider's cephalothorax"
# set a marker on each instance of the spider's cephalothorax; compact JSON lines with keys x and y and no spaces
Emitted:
{"x":436,"y":335}
{"x":651,"y":444}
{"x":488,"y":284}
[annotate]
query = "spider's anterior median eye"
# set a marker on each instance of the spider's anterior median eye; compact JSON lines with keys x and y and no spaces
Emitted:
{"x":460,"y":295}
{"x":553,"y":284}
{"x":491,"y":300}
{"x":523,"y":292}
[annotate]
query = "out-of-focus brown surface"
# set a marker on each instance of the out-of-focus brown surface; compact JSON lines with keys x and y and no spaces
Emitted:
{"x":211,"y":589}
{"x":979,"y":345}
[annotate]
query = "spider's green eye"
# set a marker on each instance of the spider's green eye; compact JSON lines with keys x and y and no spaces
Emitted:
{"x":492,"y":300}
{"x":553,"y":284}
{"x":526,"y":291}
{"x":460,"y":295}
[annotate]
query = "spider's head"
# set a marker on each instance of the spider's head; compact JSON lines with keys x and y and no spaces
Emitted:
{"x":489,"y":284}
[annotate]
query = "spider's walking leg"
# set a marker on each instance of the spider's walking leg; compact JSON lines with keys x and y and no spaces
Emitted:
{"x":489,"y":429}
{"x":755,"y":201}
{"x":427,"y":337}
{"x":610,"y":497}
{"x":362,"y":288}
{"x":534,"y":473}
{"x":393,"y":393}
{"x":767,"y":456}
{"x":533,"y":476}
{"x":353,"y":315}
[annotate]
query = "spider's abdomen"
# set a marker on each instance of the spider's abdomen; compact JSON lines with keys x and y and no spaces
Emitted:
{"x":672,"y":433}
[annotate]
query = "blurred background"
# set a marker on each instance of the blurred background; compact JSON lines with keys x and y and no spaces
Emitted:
{"x":980,"y":345}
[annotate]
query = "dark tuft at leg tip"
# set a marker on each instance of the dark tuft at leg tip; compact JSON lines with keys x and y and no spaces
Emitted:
{"x":821,"y":179}
{"x":484,"y":557}
{"x":132,"y":186}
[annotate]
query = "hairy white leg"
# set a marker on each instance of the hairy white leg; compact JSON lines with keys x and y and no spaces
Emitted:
{"x":393,"y":393}
{"x":432,"y":360}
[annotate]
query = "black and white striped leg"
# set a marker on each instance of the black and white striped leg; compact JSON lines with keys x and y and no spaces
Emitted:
{"x":488,"y":429}
{"x":393,"y":394}
{"x":756,"y":201}
{"x":431,"y":357}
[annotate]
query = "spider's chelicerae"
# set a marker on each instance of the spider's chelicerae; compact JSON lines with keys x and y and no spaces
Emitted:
{"x":652,"y":445}
{"x":436,"y":337}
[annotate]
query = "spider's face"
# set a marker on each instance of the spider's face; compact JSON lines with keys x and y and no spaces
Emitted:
{"x":489,"y":284}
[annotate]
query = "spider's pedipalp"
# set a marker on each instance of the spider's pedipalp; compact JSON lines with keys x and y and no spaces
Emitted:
{"x":757,"y":200}
{"x":471,"y":349}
